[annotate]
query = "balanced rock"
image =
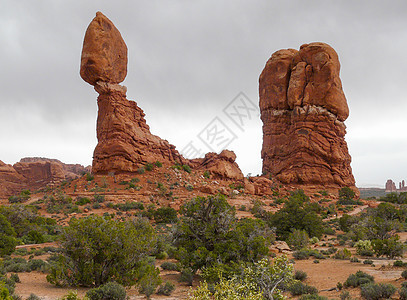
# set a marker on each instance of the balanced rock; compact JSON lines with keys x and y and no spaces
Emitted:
{"x":303,"y":108}
{"x":104,"y":52}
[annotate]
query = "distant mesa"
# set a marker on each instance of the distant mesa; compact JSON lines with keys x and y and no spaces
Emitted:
{"x":303,"y":109}
{"x":33,"y":173}
{"x":391,"y":186}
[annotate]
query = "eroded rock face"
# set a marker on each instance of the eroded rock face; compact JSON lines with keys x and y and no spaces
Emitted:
{"x":125,"y":142}
{"x":221,"y":165}
{"x":303,"y":108}
{"x":33,"y":173}
{"x":104,"y":52}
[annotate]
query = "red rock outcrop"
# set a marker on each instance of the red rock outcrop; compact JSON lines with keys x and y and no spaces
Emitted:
{"x":124,"y":139}
{"x":221,"y":165}
{"x":303,"y":109}
{"x":34,"y":173}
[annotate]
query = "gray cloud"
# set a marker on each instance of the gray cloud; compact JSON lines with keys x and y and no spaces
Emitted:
{"x":188,"y":60}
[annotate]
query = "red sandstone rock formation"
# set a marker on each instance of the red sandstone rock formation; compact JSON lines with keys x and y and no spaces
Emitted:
{"x":34,"y":173}
{"x":124,"y":139}
{"x":303,"y":109}
{"x":125,"y":142}
{"x":221,"y":165}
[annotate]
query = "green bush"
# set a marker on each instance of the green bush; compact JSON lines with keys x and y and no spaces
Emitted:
{"x":89,"y":177}
{"x":33,"y":297}
{"x":399,"y":263}
{"x":358,"y":279}
{"x":300,"y":275}
{"x":187,"y":276}
{"x":403,"y":293}
{"x":110,"y":290}
{"x":354,"y":259}
{"x":149,"y":166}
{"x":82,"y":201}
{"x":343,"y":254}
{"x":404,"y":274}
{"x":297,"y":213}
{"x":166,"y":289}
{"x":169,"y":266}
{"x":95,"y":239}
{"x":299,"y":288}
{"x":72,"y":295}
{"x":298,"y":239}
{"x":158,"y":164}
{"x":165,"y":215}
{"x":14,"y":277}
{"x":373,"y":291}
{"x":207,"y":174}
{"x":24,"y":196}
{"x":186,"y":168}
{"x":141,"y":170}
{"x":312,"y":297}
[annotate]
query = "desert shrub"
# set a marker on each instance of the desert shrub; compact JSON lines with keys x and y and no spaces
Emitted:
{"x":165,"y":215}
{"x":189,"y":187}
{"x":300,"y":275}
{"x":260,"y":280}
{"x":207,"y":174}
{"x":343,"y":254}
{"x":307,"y":253}
{"x":169,"y":266}
{"x":187,"y":275}
{"x":186,"y":168}
{"x":404,"y":274}
{"x":24,"y":196}
{"x":368,"y":262}
{"x":345,"y":295}
{"x":158,"y":164}
{"x":149,"y":166}
{"x":374,"y":291}
{"x":36,"y":264}
{"x":82,"y":201}
{"x":91,"y":244}
{"x":14,"y":277}
{"x":403,"y":293}
{"x":257,"y":209}
{"x":312,"y":297}
{"x":299,"y":288}
{"x":346,"y":193}
{"x":358,"y":279}
{"x":89,"y":177}
{"x":141,"y":170}
{"x":364,"y":248}
{"x":390,"y":247}
{"x":314,"y":240}
{"x":33,"y":237}
{"x":209,"y":233}
{"x":399,"y":263}
{"x":166,"y":289}
{"x":72,"y":295}
{"x":354,"y":259}
{"x":129,"y":205}
{"x":33,"y":297}
{"x":149,"y":280}
{"x":298,"y":239}
{"x":297,"y":213}
{"x":110,"y":290}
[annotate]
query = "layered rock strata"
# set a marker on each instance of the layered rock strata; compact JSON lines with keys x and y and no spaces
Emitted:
{"x":125,"y":142}
{"x":303,"y":109}
{"x":33,"y":173}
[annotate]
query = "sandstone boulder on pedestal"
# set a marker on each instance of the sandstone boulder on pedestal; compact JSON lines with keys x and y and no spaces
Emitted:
{"x":104,"y":52}
{"x":303,"y":108}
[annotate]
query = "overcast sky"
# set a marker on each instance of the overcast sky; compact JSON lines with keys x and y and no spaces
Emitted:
{"x":187,"y":61}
